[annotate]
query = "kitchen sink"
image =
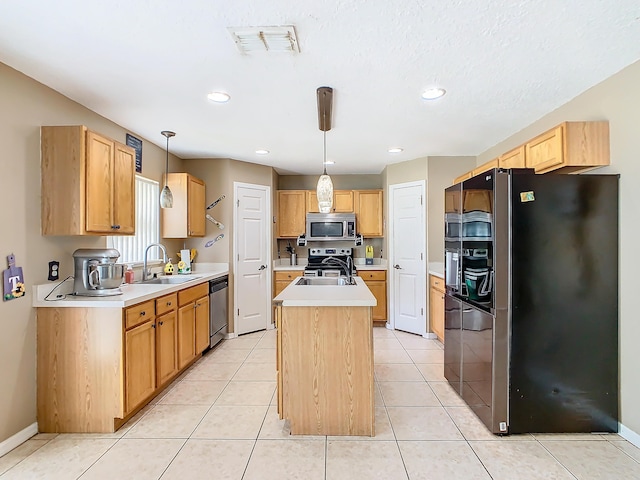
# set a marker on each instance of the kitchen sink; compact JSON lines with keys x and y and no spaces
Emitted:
{"x":325,"y":281}
{"x":168,"y":280}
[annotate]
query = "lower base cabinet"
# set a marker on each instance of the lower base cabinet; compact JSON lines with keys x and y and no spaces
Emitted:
{"x":117,"y":358}
{"x":436,"y":306}
{"x":376,"y":280}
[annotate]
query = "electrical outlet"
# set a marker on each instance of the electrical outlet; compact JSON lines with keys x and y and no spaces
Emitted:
{"x":54,"y":268}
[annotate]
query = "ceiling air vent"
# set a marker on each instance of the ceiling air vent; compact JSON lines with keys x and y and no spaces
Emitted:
{"x":265,"y":39}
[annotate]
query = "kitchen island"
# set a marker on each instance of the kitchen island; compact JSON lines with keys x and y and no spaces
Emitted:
{"x":325,"y":358}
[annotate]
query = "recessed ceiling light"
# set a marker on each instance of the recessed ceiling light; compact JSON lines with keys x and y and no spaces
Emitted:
{"x":433,"y":93}
{"x":395,"y":150}
{"x":219,"y":97}
{"x":262,"y":152}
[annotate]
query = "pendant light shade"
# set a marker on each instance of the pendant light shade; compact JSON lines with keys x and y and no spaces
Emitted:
{"x":166,"y":197}
{"x":324,"y":190}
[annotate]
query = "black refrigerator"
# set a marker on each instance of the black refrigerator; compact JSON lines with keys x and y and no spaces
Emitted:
{"x":531,"y":304}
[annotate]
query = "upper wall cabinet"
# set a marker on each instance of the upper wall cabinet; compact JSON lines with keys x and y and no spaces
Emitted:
{"x":291,"y":217}
{"x":368,"y":208}
{"x":571,"y":147}
{"x":187,"y":217}
{"x":342,"y":201}
{"x":88,"y":183}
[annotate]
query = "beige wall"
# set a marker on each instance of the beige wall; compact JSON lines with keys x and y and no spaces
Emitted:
{"x":340,"y":182}
{"x":219,"y":175}
{"x":26,"y":105}
{"x":617,"y":100}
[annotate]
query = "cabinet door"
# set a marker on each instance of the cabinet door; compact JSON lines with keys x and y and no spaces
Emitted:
{"x":342,"y":201}
{"x":124,"y":190}
{"x":166,"y":347}
{"x":99,"y":184}
{"x":202,"y":324}
{"x":368,"y":207}
{"x":436,"y":312}
{"x":513,"y":159}
{"x":545,"y":150}
{"x":291,"y":213}
{"x":140,"y":364}
{"x":379,"y":290}
{"x":312,"y":202}
{"x":485,"y":166}
{"x":186,"y":334}
{"x":278,"y":317}
{"x":196,"y":207}
{"x":462,"y":178}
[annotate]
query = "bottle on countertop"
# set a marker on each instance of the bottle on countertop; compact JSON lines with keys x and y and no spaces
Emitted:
{"x":128,"y":275}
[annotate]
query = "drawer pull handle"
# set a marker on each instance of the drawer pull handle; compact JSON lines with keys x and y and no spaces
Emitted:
{"x":161,"y":323}
{"x":143,"y":313}
{"x":153,"y":325}
{"x":168,"y":304}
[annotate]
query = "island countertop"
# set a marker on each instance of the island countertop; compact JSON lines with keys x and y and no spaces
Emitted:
{"x":131,"y":293}
{"x":357,"y":295}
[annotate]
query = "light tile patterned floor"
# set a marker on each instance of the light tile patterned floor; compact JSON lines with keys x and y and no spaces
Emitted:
{"x":218,"y":420}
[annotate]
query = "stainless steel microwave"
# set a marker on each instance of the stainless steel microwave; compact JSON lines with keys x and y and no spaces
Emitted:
{"x":331,"y":226}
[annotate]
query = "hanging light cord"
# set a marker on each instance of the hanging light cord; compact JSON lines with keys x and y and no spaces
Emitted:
{"x":324,"y":162}
{"x":166,"y":170}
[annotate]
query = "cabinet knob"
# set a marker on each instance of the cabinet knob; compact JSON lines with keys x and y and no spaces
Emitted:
{"x":115,"y":227}
{"x":168,"y":304}
{"x":143,"y":313}
{"x":153,"y":325}
{"x":161,"y":323}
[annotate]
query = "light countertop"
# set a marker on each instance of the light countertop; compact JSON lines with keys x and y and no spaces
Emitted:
{"x":131,"y":293}
{"x":357,"y":295}
{"x":436,"y":268}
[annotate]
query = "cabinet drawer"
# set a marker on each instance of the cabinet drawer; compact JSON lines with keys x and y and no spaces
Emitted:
{"x":373,"y":274}
{"x":139,"y":314}
{"x":191,"y":294}
{"x":287,"y":274}
{"x":436,"y":282}
{"x":166,"y":304}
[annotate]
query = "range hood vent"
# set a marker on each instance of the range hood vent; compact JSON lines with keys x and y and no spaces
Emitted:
{"x":265,"y":39}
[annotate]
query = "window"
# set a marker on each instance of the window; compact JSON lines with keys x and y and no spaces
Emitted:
{"x":131,"y":247}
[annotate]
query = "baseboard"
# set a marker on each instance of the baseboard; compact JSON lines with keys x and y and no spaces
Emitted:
{"x":629,"y":435}
{"x":228,"y":336}
{"x":18,"y":439}
{"x":429,"y":335}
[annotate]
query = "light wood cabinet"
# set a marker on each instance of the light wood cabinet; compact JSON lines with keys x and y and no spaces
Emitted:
{"x":436,"y":306}
{"x":376,"y":280}
{"x":193,"y":323}
{"x":282,"y":278}
{"x":87,"y":182}
{"x":278,"y":322}
{"x":570,"y":147}
{"x":514,"y":158}
{"x":140,"y":363}
{"x":166,"y":338}
{"x":187,"y":217}
{"x":369,"y":217}
{"x":342,"y":201}
{"x":495,"y":163}
{"x":291,"y":217}
{"x":118,"y":358}
{"x":462,"y":178}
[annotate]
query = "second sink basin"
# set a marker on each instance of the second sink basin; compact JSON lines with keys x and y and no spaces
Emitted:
{"x":168,"y":280}
{"x":324,"y":281}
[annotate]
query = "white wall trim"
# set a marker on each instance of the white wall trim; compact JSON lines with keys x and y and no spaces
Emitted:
{"x":269,"y":247}
{"x":391,"y":323}
{"x":18,"y":439}
{"x":629,"y":435}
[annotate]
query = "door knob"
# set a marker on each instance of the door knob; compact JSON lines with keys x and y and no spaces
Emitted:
{"x":262,"y":267}
{"x":397,"y":267}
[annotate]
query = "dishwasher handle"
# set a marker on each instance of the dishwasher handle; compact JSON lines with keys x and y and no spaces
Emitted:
{"x":218,"y":284}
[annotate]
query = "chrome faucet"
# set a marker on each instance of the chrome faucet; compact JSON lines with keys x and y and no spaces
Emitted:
{"x":347,"y":266}
{"x":145,"y":272}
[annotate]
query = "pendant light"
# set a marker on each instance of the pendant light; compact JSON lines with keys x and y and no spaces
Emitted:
{"x":324,"y":190}
{"x":166,"y":197}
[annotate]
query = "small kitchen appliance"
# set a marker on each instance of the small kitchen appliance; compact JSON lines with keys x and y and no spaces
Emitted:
{"x":331,"y":226}
{"x":96,"y":273}
{"x":316,"y":268}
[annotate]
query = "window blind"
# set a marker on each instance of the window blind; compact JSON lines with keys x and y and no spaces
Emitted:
{"x":131,"y":247}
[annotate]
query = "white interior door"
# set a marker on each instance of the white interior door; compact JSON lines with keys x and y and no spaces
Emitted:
{"x":252,"y":279}
{"x":408,"y":257}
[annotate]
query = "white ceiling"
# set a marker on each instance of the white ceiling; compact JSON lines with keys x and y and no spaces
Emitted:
{"x":148,"y":66}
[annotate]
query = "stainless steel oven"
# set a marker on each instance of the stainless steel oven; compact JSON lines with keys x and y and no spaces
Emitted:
{"x":331,"y":226}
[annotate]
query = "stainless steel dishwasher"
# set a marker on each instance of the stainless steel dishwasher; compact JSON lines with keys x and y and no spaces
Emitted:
{"x":218,"y":310}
